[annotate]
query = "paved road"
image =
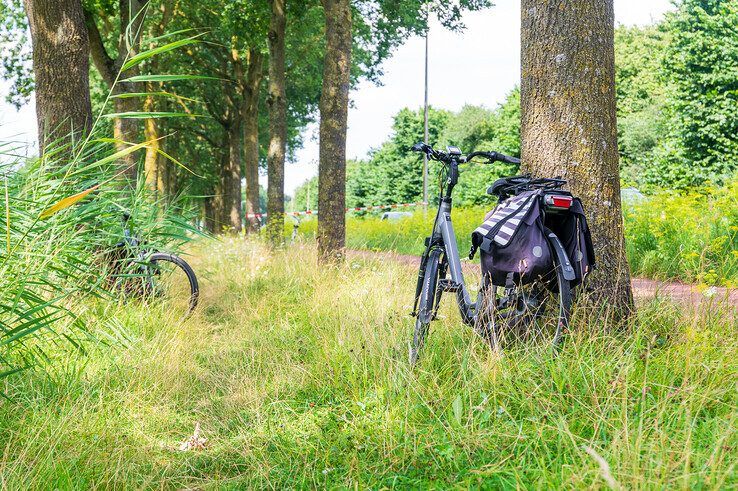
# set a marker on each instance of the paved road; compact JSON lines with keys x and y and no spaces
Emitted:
{"x":643,"y":288}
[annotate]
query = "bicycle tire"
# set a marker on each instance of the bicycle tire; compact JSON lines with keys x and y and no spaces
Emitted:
{"x":426,"y":310}
{"x":495,"y":331}
{"x":189,"y":272}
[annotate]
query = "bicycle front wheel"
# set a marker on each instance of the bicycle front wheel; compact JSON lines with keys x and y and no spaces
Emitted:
{"x":426,"y":303}
{"x":173,"y":280}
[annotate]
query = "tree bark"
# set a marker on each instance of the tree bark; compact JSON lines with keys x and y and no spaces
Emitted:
{"x":277,"y":103}
{"x":250,"y":115}
{"x":61,"y":53}
{"x":151,"y":134}
{"x":333,"y":122}
{"x":568,"y":123}
{"x":218,"y":208}
{"x":232,"y":212}
{"x":153,"y":160}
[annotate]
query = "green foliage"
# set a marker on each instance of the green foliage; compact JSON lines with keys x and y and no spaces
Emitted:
{"x":676,"y":87}
{"x":690,"y":237}
{"x":15,"y":50}
{"x":393,"y":174}
{"x":702,"y":61}
{"x":641,"y":97}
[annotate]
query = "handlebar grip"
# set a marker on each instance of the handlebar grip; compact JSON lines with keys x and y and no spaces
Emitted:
{"x":508,"y":159}
{"x":420,"y":147}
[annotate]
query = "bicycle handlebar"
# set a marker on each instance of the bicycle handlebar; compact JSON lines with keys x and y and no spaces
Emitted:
{"x":494,"y":157}
{"x":443,"y":157}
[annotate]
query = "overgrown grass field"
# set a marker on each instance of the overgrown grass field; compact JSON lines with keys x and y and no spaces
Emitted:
{"x":297,"y":376}
{"x":683,"y":237}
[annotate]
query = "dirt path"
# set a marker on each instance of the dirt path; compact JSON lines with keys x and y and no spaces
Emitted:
{"x":643,"y":288}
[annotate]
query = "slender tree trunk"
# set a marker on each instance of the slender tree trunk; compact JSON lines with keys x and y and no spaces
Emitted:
{"x":61,"y":53}
{"x":232,"y":212}
{"x":333,"y":121}
{"x":277,"y":103}
{"x":153,"y":160}
{"x":209,"y":207}
{"x":219,"y":198}
{"x":250,"y":114}
{"x":126,"y":130}
{"x":151,"y":134}
{"x":568,"y":123}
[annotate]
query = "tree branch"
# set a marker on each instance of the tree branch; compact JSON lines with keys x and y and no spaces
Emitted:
{"x":103,"y":62}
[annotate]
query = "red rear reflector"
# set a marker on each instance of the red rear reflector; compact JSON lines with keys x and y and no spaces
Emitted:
{"x":559,"y":201}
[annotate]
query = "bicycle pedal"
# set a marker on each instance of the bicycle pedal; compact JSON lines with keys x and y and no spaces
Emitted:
{"x":448,"y":285}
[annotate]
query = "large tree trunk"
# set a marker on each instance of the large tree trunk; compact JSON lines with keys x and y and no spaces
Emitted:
{"x":333,"y":120}
{"x":568,"y":123}
{"x":250,"y":113}
{"x":277,"y":125}
{"x":61,"y":53}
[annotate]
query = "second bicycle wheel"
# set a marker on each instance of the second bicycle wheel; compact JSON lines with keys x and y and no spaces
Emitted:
{"x":173,"y":282}
{"x":426,"y":303}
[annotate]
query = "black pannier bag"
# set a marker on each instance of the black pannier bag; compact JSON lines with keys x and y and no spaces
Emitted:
{"x":512,"y":242}
{"x":571,"y":227}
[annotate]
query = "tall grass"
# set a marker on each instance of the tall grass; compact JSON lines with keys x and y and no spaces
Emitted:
{"x":60,"y":213}
{"x":298,"y":378}
{"x":47,"y":264}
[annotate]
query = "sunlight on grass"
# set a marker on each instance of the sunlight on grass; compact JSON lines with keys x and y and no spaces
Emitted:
{"x":298,"y":377}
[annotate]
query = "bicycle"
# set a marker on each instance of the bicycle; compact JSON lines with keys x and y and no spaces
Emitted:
{"x":534,"y":311}
{"x":147,"y":274}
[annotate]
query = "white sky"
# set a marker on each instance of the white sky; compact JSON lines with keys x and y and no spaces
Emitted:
{"x":478,"y":66}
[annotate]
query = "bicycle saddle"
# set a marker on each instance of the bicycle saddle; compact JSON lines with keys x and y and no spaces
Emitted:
{"x":497,"y":188}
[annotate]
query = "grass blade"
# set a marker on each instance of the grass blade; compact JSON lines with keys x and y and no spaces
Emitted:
{"x":145,"y":55}
{"x":151,"y":114}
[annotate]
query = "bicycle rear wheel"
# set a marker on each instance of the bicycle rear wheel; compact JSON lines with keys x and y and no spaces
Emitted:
{"x":426,"y":302}
{"x":170,"y":278}
{"x":533,"y":316}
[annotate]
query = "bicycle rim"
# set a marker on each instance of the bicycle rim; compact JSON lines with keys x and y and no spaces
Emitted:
{"x":172,"y":285}
{"x":533,"y":316}
{"x":425,"y":305}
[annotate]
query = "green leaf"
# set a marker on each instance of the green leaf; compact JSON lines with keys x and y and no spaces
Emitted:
{"x":115,"y":156}
{"x":175,"y":161}
{"x":130,"y":95}
{"x":156,"y":39}
{"x":168,"y":78}
{"x":145,"y":55}
{"x":458,"y":408}
{"x":151,"y":114}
